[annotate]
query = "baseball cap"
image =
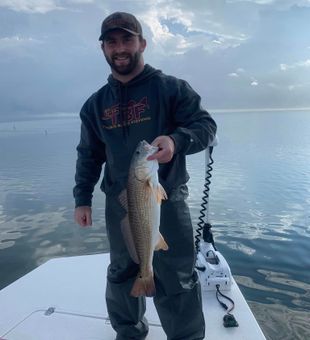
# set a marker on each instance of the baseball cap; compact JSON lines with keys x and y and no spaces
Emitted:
{"x":121,"y":20}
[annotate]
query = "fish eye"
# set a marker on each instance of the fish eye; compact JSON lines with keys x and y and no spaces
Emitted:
{"x":137,"y":152}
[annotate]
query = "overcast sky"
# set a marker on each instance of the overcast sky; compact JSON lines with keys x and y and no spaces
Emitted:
{"x":237,"y":54}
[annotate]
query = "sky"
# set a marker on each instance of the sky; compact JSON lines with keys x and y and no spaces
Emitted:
{"x":237,"y":54}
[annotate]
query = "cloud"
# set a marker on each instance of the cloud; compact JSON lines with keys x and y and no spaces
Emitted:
{"x":160,"y":21}
{"x":215,"y":26}
{"x":259,"y":2}
{"x":233,"y":75}
{"x":239,"y":72}
{"x":16,"y":40}
{"x":280,"y":4}
{"x":175,"y":29}
{"x":300,"y":64}
{"x":81,"y":1}
{"x":297,"y":86}
{"x":254,"y":82}
{"x":50,"y":51}
{"x":30,"y":6}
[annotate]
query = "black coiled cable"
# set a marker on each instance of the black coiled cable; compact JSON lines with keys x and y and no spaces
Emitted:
{"x":205,"y":199}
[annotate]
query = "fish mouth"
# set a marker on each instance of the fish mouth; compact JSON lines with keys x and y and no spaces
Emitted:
{"x":151,"y":149}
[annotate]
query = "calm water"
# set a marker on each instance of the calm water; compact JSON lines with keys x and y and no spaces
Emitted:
{"x":259,"y":207}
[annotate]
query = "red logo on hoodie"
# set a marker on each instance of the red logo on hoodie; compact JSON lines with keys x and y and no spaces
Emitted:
{"x":133,"y":114}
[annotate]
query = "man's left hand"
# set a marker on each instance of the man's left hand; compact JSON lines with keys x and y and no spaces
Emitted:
{"x":166,"y":149}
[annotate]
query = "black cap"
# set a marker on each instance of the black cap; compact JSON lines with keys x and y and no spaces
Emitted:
{"x":120,"y":20}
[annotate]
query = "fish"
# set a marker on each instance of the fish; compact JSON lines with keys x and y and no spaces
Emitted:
{"x":140,"y":227}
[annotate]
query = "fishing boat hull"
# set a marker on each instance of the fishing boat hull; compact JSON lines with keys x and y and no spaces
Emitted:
{"x":65,"y":299}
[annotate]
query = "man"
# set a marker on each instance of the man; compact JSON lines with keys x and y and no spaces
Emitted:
{"x":141,"y":103}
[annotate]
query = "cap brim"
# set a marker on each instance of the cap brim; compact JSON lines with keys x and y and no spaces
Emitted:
{"x":117,"y":28}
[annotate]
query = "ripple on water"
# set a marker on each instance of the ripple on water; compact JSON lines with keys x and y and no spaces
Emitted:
{"x":278,"y":287}
{"x":280,"y":322}
{"x":6,"y":244}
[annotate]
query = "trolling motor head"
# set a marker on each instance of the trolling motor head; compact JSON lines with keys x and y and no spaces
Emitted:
{"x":207,"y":235}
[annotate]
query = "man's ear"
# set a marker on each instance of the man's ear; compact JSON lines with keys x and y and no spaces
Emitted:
{"x":142,"y":45}
{"x":102,"y":46}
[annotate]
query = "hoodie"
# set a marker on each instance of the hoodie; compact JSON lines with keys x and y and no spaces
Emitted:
{"x":118,"y":116}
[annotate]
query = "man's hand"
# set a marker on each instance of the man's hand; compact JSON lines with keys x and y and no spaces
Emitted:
{"x":82,"y":216}
{"x":166,"y":149}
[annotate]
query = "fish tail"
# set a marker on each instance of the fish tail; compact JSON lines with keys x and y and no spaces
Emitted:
{"x":143,"y":286}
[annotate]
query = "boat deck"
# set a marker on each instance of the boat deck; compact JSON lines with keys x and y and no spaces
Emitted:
{"x":64,"y":299}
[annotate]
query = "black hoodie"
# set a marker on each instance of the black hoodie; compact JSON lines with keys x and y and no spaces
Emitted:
{"x":118,"y":116}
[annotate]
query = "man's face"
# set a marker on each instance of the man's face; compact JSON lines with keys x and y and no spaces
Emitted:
{"x":123,"y":51}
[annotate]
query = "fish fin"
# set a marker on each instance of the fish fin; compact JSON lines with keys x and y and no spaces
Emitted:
{"x":143,"y":286}
{"x":123,"y":199}
{"x":162,"y":193}
{"x":157,"y":190}
{"x":149,"y":184}
{"x":128,"y":238}
{"x":161,"y":243}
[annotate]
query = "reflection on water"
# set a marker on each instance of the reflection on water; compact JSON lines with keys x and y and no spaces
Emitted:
{"x":259,"y":207}
{"x":283,"y":310}
{"x":281,"y":322}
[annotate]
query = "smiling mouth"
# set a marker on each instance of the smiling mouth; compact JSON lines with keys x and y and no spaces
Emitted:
{"x":121,"y":58}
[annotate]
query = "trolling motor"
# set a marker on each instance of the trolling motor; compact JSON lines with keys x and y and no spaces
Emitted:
{"x":213,"y":270}
{"x":212,"y":267}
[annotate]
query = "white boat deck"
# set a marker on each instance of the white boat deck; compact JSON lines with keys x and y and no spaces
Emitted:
{"x":73,"y":289}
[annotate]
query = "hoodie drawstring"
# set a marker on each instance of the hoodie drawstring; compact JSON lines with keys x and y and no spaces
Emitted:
{"x":123,"y":108}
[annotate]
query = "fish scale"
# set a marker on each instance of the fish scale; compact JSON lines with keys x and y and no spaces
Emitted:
{"x":139,"y":218}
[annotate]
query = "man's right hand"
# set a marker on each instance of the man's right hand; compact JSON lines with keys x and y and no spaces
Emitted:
{"x":82,"y":216}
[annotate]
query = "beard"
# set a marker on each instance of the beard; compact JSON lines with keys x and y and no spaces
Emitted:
{"x":126,"y":67}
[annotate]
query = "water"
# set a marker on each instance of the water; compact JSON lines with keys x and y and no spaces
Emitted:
{"x":259,"y":207}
